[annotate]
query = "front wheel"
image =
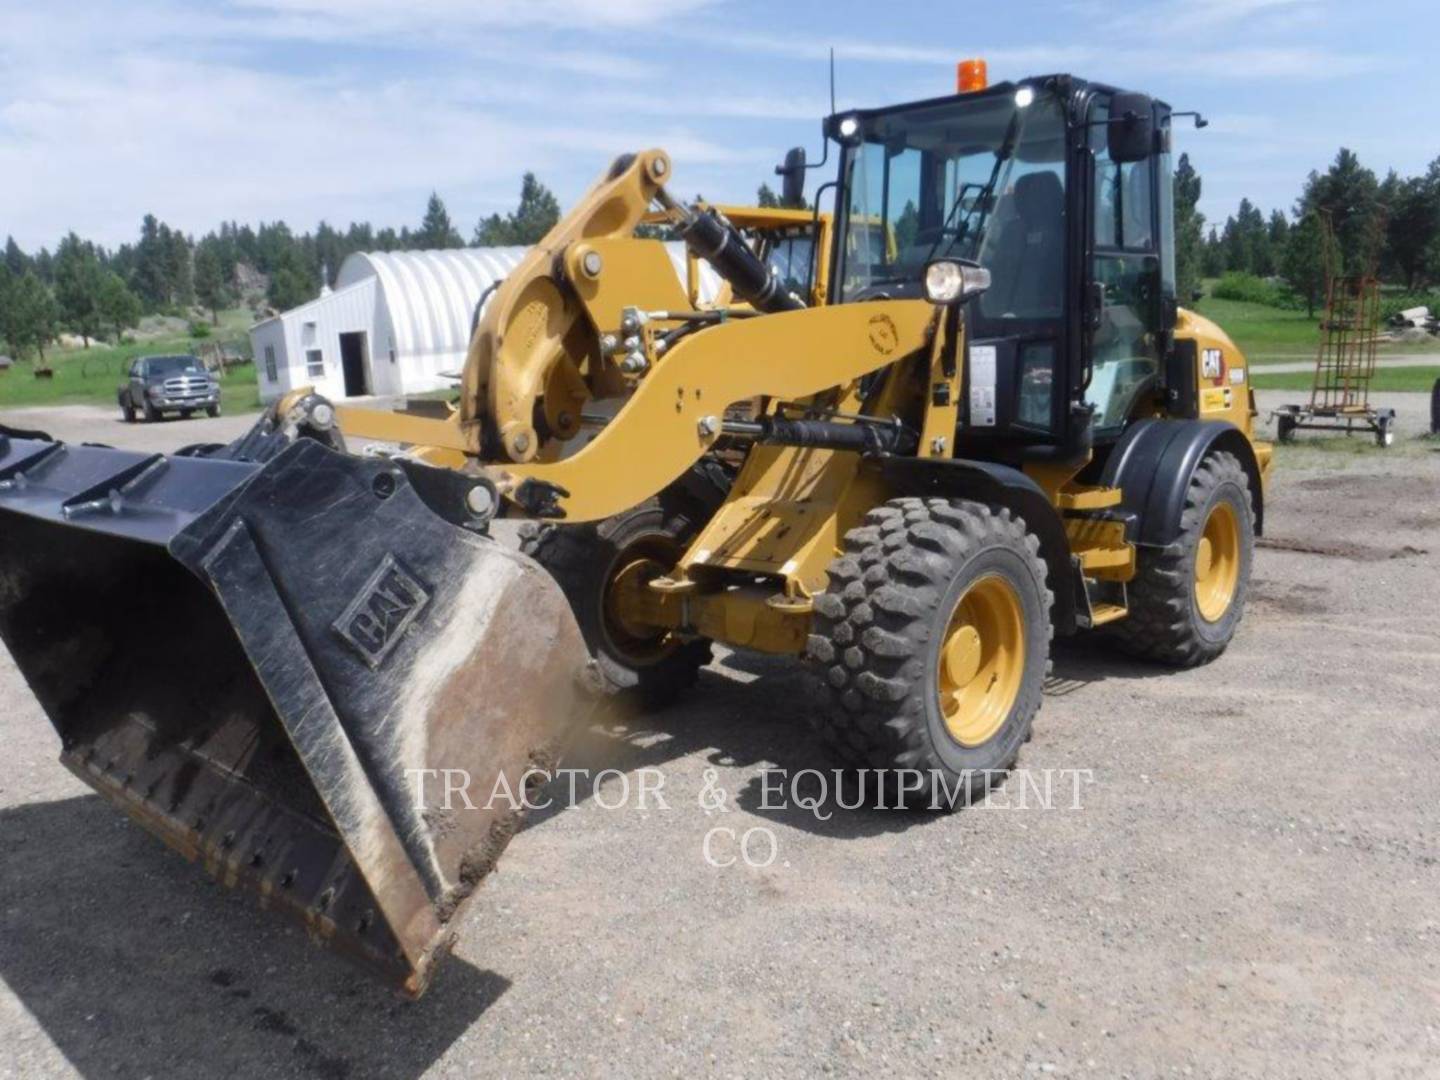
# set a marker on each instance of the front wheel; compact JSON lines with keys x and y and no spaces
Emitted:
{"x":212,"y":410}
{"x":594,"y":564}
{"x":1187,"y":598}
{"x":127,"y":410}
{"x":929,"y":648}
{"x":152,"y":414}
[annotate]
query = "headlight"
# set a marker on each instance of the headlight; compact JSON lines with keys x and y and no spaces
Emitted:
{"x":950,"y":280}
{"x":155,"y":391}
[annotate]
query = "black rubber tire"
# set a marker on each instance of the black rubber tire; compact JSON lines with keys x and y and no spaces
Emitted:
{"x":873,"y":652}
{"x":152,"y":414}
{"x":1384,"y":433}
{"x":1435,"y":408}
{"x":127,"y":410}
{"x":212,"y":410}
{"x":1164,"y":624}
{"x":581,"y":557}
{"x":1284,"y":429}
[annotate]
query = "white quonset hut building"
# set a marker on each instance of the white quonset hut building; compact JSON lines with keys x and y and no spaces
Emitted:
{"x":396,"y":323}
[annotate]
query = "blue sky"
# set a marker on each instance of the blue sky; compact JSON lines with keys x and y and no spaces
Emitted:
{"x":356,"y":109}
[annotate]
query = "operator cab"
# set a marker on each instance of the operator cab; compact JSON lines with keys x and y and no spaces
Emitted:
{"x":1067,"y":211}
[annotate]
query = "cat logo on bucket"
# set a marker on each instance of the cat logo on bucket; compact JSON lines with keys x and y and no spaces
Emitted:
{"x":381,"y":612}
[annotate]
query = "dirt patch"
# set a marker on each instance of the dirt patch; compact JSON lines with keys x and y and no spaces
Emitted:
{"x":1366,"y":486}
{"x":1288,"y":599}
{"x":1338,"y":549}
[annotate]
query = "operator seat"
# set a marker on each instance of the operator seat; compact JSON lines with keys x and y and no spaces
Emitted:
{"x":1029,"y":266}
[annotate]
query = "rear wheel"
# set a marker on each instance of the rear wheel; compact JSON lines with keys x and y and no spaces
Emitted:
{"x":1187,"y":599}
{"x":589,"y":561}
{"x":930,"y":646}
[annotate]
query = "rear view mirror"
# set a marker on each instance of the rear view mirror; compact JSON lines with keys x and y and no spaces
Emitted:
{"x":792,"y":177}
{"x":1131,"y":128}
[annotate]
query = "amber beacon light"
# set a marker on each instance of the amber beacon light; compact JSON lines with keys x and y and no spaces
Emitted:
{"x":970,"y":75}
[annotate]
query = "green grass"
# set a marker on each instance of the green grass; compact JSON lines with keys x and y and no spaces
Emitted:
{"x":1275,"y":335}
{"x":92,"y":376}
{"x":1414,"y":379}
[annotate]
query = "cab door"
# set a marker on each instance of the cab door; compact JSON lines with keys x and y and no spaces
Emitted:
{"x":1124,"y":332}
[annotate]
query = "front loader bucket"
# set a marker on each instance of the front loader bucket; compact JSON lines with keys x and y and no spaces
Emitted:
{"x":272,"y":666}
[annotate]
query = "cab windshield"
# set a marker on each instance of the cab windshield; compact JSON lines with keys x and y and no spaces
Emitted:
{"x":980,"y":179}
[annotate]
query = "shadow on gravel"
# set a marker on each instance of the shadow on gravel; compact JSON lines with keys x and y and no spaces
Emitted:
{"x":755,"y":717}
{"x":136,"y":964}
{"x":1085,"y":659}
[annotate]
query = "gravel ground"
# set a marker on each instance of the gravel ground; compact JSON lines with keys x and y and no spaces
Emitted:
{"x":1247,"y":889}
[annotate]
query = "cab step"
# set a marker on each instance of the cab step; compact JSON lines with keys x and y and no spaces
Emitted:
{"x":1105,"y":602}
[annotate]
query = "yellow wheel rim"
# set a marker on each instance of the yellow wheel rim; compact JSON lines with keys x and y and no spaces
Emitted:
{"x":982,"y":660}
{"x":631,"y":639}
{"x":1217,"y":563}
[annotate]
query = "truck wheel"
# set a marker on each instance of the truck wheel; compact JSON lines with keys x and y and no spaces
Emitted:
{"x":212,"y":410}
{"x":929,"y":649}
{"x":127,"y":410}
{"x":1187,"y":599}
{"x":653,"y":666}
{"x":152,"y":414}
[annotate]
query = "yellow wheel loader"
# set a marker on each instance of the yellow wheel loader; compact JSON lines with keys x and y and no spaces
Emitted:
{"x":971,"y":416}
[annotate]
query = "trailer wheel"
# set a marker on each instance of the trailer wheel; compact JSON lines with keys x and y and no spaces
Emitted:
{"x":1187,"y":599}
{"x":930,"y":647}
{"x":1285,"y":428}
{"x":653,"y":666}
{"x":1384,"y":432}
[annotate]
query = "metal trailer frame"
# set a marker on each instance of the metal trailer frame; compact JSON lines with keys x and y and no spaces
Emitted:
{"x":1345,"y":362}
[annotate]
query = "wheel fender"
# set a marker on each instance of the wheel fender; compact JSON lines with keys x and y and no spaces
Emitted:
{"x":1152,"y":465}
{"x":987,"y":481}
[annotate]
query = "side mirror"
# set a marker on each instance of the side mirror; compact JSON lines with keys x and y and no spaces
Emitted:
{"x":792,"y":177}
{"x":1131,"y":128}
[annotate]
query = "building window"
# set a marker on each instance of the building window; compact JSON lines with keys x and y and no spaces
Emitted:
{"x":314,"y":363}
{"x":307,"y":334}
{"x":270,"y":364}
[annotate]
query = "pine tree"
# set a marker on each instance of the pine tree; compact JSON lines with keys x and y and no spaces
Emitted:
{"x":78,"y":275}
{"x":1349,"y":192}
{"x":436,"y":231}
{"x":119,"y":307}
{"x":15,"y":260}
{"x":1413,"y":223}
{"x":150,"y":279}
{"x":536,"y":215}
{"x":1303,"y":263}
{"x":210,"y":287}
{"x":28,"y":314}
{"x":1189,"y":231}
{"x":765,"y":197}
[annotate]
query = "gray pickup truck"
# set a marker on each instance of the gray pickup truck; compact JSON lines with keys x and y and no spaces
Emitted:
{"x":161,"y":384}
